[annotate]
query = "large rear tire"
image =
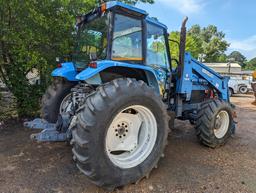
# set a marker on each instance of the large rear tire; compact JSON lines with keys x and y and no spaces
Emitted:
{"x":120,"y":134}
{"x":215,"y":123}
{"x":56,"y":98}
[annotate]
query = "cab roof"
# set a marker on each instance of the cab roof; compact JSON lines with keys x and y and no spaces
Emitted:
{"x":115,"y":4}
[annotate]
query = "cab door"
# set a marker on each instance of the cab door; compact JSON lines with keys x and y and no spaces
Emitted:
{"x":157,"y":53}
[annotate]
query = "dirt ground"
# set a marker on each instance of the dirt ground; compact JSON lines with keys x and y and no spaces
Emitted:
{"x":30,"y":167}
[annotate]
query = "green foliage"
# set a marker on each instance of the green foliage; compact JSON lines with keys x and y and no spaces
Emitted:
{"x":251,"y":65}
{"x":212,"y":41}
{"x":207,"y":40}
{"x":241,"y":59}
{"x":237,"y":57}
{"x":32,"y":34}
{"x":157,"y":47}
{"x":222,"y":58}
{"x":192,"y":45}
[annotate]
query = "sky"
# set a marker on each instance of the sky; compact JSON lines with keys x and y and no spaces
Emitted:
{"x":236,"y":18}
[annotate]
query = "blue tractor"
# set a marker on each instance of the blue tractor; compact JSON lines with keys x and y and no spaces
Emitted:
{"x":117,"y":99}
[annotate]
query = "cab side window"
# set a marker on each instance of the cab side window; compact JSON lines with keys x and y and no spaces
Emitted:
{"x":156,"y":47}
{"x":127,"y":39}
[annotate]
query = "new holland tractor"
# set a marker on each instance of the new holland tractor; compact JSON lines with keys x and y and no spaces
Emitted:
{"x":116,"y":100}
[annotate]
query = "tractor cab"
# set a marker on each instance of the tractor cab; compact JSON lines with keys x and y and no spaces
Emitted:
{"x":119,"y":32}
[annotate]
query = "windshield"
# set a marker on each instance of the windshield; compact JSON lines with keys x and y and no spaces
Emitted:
{"x":91,"y":42}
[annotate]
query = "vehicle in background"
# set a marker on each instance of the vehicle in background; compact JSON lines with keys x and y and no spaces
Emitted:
{"x":240,"y":81}
{"x":239,"y":85}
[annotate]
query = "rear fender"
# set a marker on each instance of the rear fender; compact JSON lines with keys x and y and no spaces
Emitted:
{"x":67,"y":71}
{"x":92,"y":74}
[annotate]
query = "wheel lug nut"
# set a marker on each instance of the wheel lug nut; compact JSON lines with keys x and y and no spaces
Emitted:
{"x":126,"y":130}
{"x":116,"y":134}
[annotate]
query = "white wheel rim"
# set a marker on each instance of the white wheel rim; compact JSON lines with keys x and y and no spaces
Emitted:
{"x":221,"y":124}
{"x":66,"y":104}
{"x":243,"y":89}
{"x":131,"y":136}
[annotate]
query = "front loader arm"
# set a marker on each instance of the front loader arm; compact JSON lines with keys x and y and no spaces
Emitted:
{"x":214,"y":79}
{"x":197,"y":76}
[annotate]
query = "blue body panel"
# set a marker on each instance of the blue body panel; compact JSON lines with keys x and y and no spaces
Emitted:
{"x":67,"y":71}
{"x":156,"y":22}
{"x":156,"y":77}
{"x":112,"y":4}
{"x":104,"y":64}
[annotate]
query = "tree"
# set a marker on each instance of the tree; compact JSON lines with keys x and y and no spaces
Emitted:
{"x":238,"y":57}
{"x":212,"y":41}
{"x":251,"y":65}
{"x":222,"y":58}
{"x":207,"y":40}
{"x":192,"y":45}
{"x":32,"y":34}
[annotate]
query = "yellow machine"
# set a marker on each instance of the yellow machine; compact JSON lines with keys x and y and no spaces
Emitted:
{"x":254,"y":76}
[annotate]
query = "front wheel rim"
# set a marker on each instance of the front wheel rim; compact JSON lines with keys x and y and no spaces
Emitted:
{"x":221,"y":124}
{"x":131,"y":136}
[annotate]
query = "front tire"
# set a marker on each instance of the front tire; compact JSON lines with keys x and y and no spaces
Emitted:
{"x":215,"y":123}
{"x":118,"y":121}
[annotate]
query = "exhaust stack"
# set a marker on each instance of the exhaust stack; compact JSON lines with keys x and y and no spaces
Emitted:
{"x":183,"y":34}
